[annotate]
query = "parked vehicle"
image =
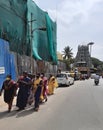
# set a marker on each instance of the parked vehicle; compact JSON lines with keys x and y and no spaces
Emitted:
{"x":71,"y":79}
{"x":64,"y":78}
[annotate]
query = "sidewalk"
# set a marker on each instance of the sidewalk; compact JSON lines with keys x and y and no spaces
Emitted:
{"x":3,"y":104}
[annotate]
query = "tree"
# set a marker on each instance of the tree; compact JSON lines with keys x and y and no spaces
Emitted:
{"x":96,"y":62}
{"x":68,"y":56}
{"x":67,"y":53}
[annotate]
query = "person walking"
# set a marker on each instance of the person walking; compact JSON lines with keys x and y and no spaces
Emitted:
{"x":37,"y":95}
{"x":52,"y":84}
{"x":9,"y":87}
{"x":31,"y":94}
{"x":44,"y":88}
{"x":36,"y":82}
{"x":24,"y":84}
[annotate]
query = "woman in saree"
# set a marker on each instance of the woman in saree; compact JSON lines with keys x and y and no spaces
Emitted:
{"x":9,"y":87}
{"x":52,"y":84}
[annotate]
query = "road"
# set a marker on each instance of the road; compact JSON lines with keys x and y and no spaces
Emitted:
{"x":78,"y":107}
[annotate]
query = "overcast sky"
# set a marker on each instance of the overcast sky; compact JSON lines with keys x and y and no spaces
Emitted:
{"x":78,"y":23}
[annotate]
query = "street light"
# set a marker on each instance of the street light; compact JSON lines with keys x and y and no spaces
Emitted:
{"x":40,"y":28}
{"x":90,"y":44}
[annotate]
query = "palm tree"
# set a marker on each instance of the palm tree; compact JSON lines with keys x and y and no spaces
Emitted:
{"x":67,"y":53}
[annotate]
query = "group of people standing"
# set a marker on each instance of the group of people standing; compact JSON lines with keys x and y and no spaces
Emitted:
{"x":31,"y":89}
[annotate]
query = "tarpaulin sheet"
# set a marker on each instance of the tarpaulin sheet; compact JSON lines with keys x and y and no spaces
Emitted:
{"x":7,"y":62}
{"x":22,"y":31}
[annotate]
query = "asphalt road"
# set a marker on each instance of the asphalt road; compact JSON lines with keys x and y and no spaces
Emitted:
{"x":78,"y":107}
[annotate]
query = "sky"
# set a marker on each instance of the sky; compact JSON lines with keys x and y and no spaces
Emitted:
{"x":79,"y":22}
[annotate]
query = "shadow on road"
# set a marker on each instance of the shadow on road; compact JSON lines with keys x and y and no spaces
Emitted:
{"x":6,"y":114}
{"x":25,"y":113}
{"x":63,"y":86}
{"x":16,"y":114}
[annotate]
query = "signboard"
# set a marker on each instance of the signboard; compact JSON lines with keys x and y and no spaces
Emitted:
{"x":2,"y":70}
{"x":83,"y":68}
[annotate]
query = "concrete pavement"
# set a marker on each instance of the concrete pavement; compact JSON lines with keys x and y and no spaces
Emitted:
{"x":3,"y":104}
{"x":78,"y":107}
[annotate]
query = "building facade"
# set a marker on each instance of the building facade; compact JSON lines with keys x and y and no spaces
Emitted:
{"x":83,"y":59}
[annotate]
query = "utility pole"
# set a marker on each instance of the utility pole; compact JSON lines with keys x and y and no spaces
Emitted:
{"x":31,"y":39}
{"x":90,"y":44}
{"x":31,"y":36}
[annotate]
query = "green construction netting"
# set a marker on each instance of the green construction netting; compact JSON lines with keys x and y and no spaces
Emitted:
{"x":21,"y":23}
{"x":12,"y":23}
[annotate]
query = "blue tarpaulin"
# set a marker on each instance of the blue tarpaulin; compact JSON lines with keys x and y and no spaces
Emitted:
{"x":7,"y":62}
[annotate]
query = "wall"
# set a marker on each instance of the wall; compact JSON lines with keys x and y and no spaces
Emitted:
{"x":7,"y":62}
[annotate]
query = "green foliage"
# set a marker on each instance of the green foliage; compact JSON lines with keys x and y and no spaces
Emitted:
{"x":68,"y":56}
{"x":97,"y":63}
{"x":67,"y":53}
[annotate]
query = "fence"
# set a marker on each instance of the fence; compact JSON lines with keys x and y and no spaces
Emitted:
{"x":25,"y":63}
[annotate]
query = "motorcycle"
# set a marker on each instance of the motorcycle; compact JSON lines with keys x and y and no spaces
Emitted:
{"x":96,"y":81}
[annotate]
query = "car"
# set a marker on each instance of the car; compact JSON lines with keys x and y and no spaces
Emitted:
{"x":64,"y":78}
{"x":70,"y":78}
{"x":93,"y":76}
